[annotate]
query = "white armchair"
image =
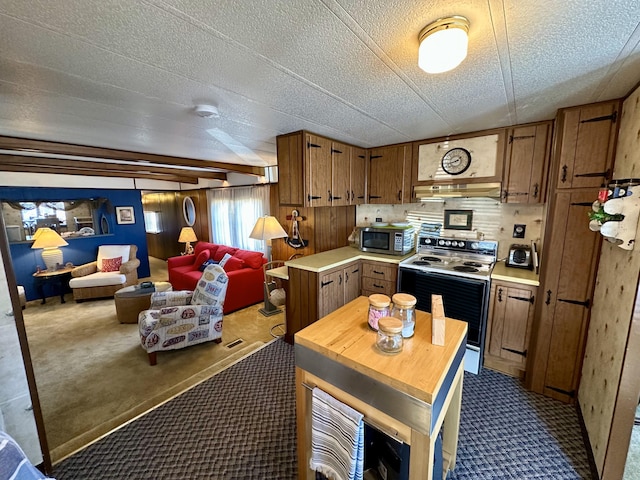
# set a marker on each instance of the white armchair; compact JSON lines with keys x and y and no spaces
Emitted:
{"x":183,"y":318}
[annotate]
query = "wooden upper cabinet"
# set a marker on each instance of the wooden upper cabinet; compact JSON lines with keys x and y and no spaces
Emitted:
{"x":390,"y":174}
{"x":359,"y":164}
{"x":340,"y":174}
{"x":315,"y":171}
{"x":291,"y":169}
{"x":317,"y":165}
{"x":526,"y":163}
{"x":586,"y":144}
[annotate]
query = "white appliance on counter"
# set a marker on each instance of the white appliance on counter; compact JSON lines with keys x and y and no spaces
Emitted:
{"x":460,"y":271}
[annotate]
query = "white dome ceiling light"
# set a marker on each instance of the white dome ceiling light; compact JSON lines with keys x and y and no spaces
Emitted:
{"x":207,"y":111}
{"x":443,"y":44}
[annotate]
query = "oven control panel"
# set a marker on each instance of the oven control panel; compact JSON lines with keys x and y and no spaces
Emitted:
{"x":484,"y":247}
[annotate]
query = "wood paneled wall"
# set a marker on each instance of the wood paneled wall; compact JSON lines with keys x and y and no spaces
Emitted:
{"x":325,"y":228}
{"x":169,"y":207}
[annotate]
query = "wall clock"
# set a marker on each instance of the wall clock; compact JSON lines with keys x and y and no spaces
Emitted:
{"x":456,"y":161}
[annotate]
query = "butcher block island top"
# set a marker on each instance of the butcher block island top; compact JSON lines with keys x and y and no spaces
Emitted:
{"x":411,"y":395}
{"x":419,"y":370}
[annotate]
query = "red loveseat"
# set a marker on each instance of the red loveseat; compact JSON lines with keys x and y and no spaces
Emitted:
{"x":244,"y":269}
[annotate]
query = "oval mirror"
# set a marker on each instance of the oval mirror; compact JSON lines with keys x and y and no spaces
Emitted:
{"x":189,"y":211}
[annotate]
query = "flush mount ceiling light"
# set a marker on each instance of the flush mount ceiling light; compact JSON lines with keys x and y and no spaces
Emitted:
{"x":443,"y":44}
{"x":207,"y":111}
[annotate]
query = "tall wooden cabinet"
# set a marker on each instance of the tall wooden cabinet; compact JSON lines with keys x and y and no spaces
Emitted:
{"x":526,"y":163}
{"x":390,"y":174}
{"x":584,"y":152}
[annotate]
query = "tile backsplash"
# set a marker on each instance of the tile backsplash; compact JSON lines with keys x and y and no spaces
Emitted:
{"x":491,"y":218}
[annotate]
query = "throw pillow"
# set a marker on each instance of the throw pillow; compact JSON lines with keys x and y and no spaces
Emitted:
{"x":111,"y":264}
{"x":206,"y":264}
{"x":251,"y":259}
{"x":224,"y":259}
{"x":202,"y":257}
{"x":222,"y":251}
{"x":233,"y":264}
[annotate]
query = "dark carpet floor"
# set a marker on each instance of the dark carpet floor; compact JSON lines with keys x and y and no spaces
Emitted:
{"x":240,"y":424}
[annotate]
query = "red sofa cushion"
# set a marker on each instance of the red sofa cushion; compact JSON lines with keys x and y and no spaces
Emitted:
{"x":201,"y":257}
{"x":233,"y":264}
{"x":222,"y":250}
{"x":251,"y":259}
{"x":200,"y":246}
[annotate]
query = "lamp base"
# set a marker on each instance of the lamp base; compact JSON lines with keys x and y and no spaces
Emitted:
{"x":267,"y":312}
{"x":52,"y":257}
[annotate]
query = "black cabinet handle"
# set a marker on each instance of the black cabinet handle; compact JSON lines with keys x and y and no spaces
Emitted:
{"x":524,"y":299}
{"x":374,"y":196}
{"x":548,"y":301}
{"x":312,"y":145}
{"x":564,"y":174}
{"x":535,"y":190}
{"x":378,"y":273}
{"x":324,"y":284}
{"x":586,"y":303}
{"x":333,"y":150}
{"x":613,"y":117}
{"x":339,"y":279}
{"x":378,"y":286}
{"x":517,"y":352}
{"x":399,"y":194}
{"x":604,"y":174}
{"x":499,"y":294}
{"x":559,"y":390}
{"x":312,"y":197}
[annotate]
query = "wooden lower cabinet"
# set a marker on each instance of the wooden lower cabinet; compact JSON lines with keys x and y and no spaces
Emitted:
{"x":379,"y":277}
{"x":313,"y":295}
{"x":511,"y":311}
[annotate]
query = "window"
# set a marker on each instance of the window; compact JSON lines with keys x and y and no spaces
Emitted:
{"x":234,"y":212}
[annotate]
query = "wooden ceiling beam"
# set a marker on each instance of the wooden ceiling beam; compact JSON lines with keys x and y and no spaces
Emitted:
{"x":57,"y":148}
{"x":101,"y":166}
{"x":7,"y":167}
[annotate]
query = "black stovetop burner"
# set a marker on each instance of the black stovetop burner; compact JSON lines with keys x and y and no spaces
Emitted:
{"x":473,"y":264}
{"x":421,"y":263}
{"x":430,"y":259}
{"x":465,"y":268}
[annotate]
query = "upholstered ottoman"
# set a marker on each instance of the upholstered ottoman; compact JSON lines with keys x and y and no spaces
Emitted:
{"x":132,"y":300}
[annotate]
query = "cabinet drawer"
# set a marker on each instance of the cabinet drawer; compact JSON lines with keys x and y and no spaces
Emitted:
{"x":380,"y":271}
{"x":374,"y":285}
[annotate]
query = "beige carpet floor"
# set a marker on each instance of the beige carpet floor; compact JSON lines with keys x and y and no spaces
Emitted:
{"x":93,"y":375}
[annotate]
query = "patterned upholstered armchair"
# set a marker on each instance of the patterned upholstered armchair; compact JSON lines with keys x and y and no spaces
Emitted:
{"x":183,"y":318}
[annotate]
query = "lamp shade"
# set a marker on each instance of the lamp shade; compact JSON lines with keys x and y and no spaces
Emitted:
{"x":187,"y":235}
{"x":267,"y":228}
{"x":443,"y":44}
{"x":49,"y":241}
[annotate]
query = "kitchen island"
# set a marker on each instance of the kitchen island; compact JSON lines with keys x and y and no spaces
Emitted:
{"x":409,"y":396}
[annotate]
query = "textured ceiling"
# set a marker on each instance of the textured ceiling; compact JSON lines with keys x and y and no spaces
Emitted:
{"x":126,"y":75}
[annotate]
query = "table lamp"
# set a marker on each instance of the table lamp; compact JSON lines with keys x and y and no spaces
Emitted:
{"x":187,"y":235}
{"x":49,"y":241}
{"x":267,"y":228}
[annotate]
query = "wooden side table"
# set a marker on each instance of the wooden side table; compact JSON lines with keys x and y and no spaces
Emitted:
{"x":132,"y":300}
{"x":59,"y":277}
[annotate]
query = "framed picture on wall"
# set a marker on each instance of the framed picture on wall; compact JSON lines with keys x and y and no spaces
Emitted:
{"x":458,"y":219}
{"x":124,"y":215}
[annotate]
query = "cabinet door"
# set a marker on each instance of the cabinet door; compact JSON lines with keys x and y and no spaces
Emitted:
{"x":388,"y":168}
{"x":351,"y":282}
{"x":571,"y":251}
{"x":318,"y":171}
{"x":331,"y":292}
{"x":341,"y":174}
{"x":587,"y":137}
{"x":528,"y":150}
{"x":290,"y":169}
{"x":513,"y":310}
{"x":358,"y":176}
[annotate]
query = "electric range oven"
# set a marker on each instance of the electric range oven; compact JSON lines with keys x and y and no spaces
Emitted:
{"x":460,"y":271}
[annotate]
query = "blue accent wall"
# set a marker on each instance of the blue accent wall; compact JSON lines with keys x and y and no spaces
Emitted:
{"x":82,"y":249}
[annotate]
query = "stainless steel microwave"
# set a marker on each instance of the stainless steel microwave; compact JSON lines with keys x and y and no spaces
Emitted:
{"x":387,"y":240}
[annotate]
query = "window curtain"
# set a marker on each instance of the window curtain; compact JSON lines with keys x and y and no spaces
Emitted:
{"x":234,"y":212}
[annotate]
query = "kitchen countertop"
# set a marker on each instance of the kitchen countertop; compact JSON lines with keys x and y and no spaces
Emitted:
{"x":515,"y":275}
{"x":322,"y":261}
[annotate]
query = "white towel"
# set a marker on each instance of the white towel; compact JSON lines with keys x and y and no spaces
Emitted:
{"x":337,"y":438}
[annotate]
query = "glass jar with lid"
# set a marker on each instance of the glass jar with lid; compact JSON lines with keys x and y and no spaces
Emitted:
{"x":404,"y":309}
{"x":389,"y":338}
{"x":379,"y":306}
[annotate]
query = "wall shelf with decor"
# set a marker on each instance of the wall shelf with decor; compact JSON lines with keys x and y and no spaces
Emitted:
{"x":615,"y":213}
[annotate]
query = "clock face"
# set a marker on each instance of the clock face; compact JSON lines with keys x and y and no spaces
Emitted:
{"x":456,"y":161}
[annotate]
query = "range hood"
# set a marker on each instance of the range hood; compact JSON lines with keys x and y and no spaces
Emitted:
{"x":491,"y":190}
